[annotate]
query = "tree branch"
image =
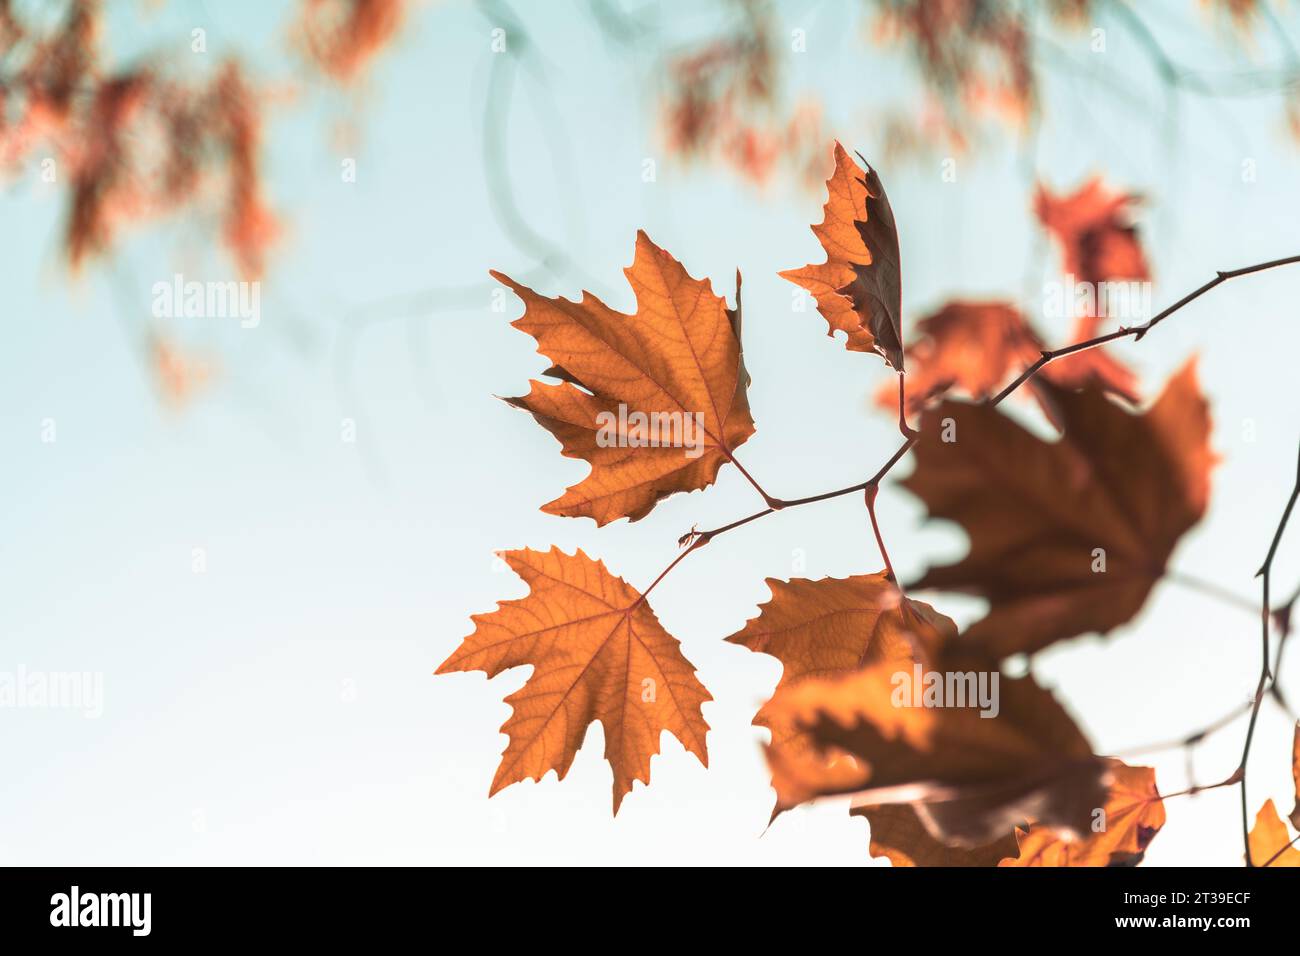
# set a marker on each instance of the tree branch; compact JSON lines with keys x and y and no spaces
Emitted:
{"x":1137,"y":331}
{"x":1266,"y":617}
{"x":694,"y":540}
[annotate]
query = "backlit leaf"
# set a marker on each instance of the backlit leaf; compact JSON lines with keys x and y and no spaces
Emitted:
{"x":859,"y":287}
{"x":676,"y":362}
{"x":598,"y":653}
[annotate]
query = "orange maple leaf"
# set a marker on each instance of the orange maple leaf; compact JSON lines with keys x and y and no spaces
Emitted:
{"x":897,"y":832}
{"x":971,"y":775}
{"x":655,"y":402}
{"x":1067,"y":537}
{"x":598,"y":652}
{"x":1270,"y":843}
{"x":1133,"y":814}
{"x":859,"y":287}
{"x":1098,"y":243}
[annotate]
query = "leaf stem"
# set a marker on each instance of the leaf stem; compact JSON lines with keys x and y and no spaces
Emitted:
{"x":870,"y":496}
{"x":776,"y":504}
{"x":697,"y":542}
{"x":902,"y":406}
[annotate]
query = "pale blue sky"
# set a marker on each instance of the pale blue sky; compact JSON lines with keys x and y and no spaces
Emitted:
{"x":282,"y":708}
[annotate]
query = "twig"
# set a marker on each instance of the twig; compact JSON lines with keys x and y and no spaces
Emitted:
{"x":1282,"y":618}
{"x":697,"y":539}
{"x":1137,"y":331}
{"x":1193,"y":791}
{"x":1266,"y":617}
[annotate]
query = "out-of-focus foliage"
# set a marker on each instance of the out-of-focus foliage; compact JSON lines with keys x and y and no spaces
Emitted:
{"x":151,"y":139}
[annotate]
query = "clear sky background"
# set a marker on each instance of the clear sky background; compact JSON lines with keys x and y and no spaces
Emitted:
{"x":281,"y":708}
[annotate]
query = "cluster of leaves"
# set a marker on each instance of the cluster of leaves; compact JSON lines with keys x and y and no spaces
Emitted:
{"x":149,"y":140}
{"x":136,"y":142}
{"x":973,"y":55}
{"x":146,"y":140}
{"x":723,"y":103}
{"x":946,"y":785}
{"x":980,"y":65}
{"x":343,"y":36}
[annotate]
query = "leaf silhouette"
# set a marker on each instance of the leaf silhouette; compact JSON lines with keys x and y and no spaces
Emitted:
{"x":833,"y":626}
{"x":598,"y":652}
{"x":1133,"y":814}
{"x":677,"y":362}
{"x":972,"y":778}
{"x":1270,"y":843}
{"x":1098,"y":243}
{"x":859,"y":287}
{"x":1067,"y":537}
{"x":898,"y":833}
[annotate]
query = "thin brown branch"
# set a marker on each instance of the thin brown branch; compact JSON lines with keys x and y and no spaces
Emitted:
{"x":697,"y":539}
{"x":1266,"y":618}
{"x":1193,"y":791}
{"x":1137,"y":331}
{"x":1282,"y":620}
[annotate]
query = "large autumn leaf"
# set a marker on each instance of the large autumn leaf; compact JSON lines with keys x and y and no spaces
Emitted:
{"x":655,"y":402}
{"x":836,"y":626}
{"x":1270,"y":841}
{"x":976,"y":348}
{"x":898,"y":833}
{"x":972,"y":773}
{"x":1067,"y":537}
{"x":598,"y":653}
{"x":1133,"y":814}
{"x":858,"y":288}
